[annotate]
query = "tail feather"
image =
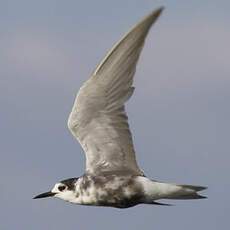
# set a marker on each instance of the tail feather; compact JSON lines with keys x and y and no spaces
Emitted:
{"x":188,"y":192}
{"x":193,"y":187}
{"x":190,"y":196}
{"x":154,"y":190}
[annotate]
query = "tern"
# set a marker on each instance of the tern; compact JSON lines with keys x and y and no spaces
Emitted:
{"x":100,"y":124}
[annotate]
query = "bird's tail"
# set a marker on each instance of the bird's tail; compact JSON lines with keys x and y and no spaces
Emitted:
{"x":155,"y":190}
{"x":187,"y":192}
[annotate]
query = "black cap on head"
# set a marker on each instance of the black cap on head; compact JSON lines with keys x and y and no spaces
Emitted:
{"x":70,"y":183}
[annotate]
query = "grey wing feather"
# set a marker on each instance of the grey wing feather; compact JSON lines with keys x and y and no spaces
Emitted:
{"x":98,"y":119}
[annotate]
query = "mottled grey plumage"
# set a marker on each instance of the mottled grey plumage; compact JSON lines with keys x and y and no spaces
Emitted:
{"x":99,"y":122}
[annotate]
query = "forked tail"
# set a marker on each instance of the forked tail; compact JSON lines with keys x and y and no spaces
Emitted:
{"x":154,"y":191}
{"x":187,"y":192}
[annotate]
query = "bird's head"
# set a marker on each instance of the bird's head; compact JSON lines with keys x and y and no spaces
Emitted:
{"x":64,"y":190}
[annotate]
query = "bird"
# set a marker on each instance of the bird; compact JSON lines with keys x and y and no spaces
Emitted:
{"x":99,"y":122}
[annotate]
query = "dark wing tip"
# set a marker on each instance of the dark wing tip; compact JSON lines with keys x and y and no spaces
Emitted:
{"x":161,"y":204}
{"x":156,"y":13}
{"x":160,"y":9}
{"x":201,"y":197}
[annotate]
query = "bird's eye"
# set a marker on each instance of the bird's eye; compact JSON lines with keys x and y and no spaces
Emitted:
{"x":61,"y":188}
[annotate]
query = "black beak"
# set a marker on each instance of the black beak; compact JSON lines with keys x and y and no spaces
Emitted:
{"x":43,"y":195}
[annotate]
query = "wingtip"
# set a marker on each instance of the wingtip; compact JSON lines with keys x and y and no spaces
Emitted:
{"x":159,"y":10}
{"x":161,"y":204}
{"x":155,"y":14}
{"x":202,"y":197}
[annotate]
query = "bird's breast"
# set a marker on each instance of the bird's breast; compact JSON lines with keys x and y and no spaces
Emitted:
{"x":110,"y":190}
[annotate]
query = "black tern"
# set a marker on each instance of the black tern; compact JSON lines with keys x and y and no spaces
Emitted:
{"x":99,"y":122}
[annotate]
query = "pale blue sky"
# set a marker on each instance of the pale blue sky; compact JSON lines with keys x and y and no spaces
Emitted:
{"x":179,"y":114}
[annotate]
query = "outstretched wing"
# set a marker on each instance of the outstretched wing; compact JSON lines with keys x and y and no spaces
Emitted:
{"x":98,"y":119}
